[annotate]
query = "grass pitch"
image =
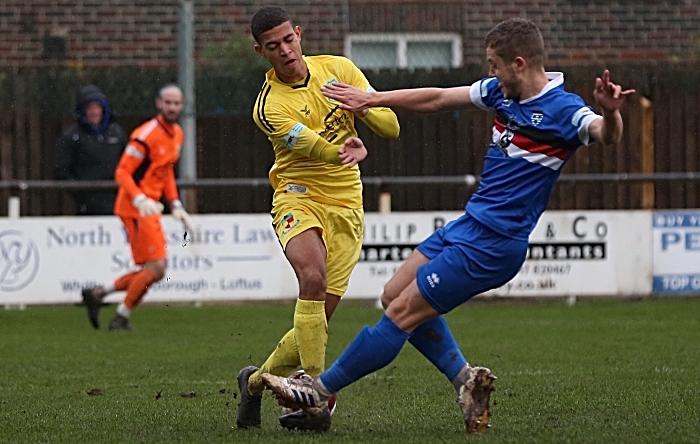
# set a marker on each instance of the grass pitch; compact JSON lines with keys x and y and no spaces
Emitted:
{"x":599,"y":371}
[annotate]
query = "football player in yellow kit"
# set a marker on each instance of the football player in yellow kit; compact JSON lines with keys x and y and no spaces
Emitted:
{"x":317,"y":204}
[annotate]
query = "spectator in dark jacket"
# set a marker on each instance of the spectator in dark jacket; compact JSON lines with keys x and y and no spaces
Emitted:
{"x":90,"y":149}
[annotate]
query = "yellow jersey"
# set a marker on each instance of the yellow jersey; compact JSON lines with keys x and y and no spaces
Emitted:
{"x":300,"y":122}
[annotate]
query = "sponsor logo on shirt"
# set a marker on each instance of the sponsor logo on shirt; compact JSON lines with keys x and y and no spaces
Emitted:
{"x":306,"y":111}
{"x":294,"y":188}
{"x":334,"y":123}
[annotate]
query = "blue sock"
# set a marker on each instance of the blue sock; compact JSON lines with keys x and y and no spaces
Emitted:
{"x":372,"y":349}
{"x":435,"y":341}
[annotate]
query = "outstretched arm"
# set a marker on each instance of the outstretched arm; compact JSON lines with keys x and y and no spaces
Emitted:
{"x":382,"y":121}
{"x":610,"y":97}
{"x":423,"y":100}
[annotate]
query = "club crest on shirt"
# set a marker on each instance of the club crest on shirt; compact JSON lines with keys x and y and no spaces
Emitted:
{"x":536,"y":117}
{"x":330,"y":82}
{"x":306,"y":111}
{"x":289,"y":222}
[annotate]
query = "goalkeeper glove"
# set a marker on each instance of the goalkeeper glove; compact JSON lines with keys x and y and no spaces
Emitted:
{"x":181,"y":215}
{"x":147,"y":206}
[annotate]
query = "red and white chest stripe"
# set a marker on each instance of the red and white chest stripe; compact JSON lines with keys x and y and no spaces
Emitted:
{"x":530,"y":150}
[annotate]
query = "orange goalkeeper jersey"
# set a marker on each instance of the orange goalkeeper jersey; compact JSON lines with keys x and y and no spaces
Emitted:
{"x":148,"y":165}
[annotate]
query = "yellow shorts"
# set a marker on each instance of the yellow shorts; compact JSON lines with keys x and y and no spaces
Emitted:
{"x":341,"y":229}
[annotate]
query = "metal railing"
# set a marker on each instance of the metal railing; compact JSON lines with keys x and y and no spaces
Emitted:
{"x":18,"y":187}
{"x":467,"y":179}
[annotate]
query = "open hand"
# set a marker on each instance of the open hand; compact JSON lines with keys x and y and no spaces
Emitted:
{"x":147,"y":206}
{"x":350,"y":98}
{"x":609,"y":95}
{"x":179,"y":214}
{"x":352,"y":152}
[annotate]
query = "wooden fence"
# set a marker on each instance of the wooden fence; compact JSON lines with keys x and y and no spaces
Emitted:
{"x":662,"y":134}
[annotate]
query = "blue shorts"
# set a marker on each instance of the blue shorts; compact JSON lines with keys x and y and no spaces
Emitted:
{"x":466,"y":258}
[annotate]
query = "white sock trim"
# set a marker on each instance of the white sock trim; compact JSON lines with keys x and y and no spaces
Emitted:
{"x":108,"y":288}
{"x":321,"y":389}
{"x":123,"y":310}
{"x":461,"y":378}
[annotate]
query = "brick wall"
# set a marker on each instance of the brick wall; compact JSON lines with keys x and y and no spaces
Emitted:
{"x":574,"y":31}
{"x":144,"y":32}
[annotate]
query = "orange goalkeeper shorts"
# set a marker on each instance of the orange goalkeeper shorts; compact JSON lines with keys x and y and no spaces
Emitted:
{"x":146,"y":238}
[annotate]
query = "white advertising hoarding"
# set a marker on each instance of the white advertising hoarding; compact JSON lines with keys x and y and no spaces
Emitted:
{"x":48,"y":260}
{"x":238,"y":256}
{"x":388,"y":240}
{"x":586,"y":253}
{"x":676,"y":252}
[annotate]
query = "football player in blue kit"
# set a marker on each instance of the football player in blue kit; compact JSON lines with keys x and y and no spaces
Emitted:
{"x":538,"y":126}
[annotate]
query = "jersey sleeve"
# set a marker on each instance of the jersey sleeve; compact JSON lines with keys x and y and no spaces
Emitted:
{"x":485,"y":93}
{"x":382,"y":121}
{"x":284,"y":130}
{"x":581,"y":118}
{"x":133,"y":156}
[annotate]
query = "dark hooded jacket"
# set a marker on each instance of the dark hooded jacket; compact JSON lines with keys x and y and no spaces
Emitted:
{"x":86,"y":152}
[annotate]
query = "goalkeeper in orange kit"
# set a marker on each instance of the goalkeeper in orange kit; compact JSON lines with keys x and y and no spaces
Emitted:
{"x":145,"y":173}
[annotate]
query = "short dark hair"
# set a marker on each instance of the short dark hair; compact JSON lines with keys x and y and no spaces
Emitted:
{"x":517,"y":37}
{"x":266,"y":18}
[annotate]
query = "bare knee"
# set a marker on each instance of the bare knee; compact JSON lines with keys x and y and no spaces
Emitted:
{"x":312,"y":284}
{"x":387,"y":297}
{"x":410,"y":309}
{"x":397,"y":308}
{"x":157,"y":268}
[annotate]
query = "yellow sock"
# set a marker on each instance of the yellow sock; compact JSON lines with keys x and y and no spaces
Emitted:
{"x":282,"y":361}
{"x":311,"y":332}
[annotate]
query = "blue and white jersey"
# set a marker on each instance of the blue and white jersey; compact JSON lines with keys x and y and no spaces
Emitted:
{"x":532,"y":140}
